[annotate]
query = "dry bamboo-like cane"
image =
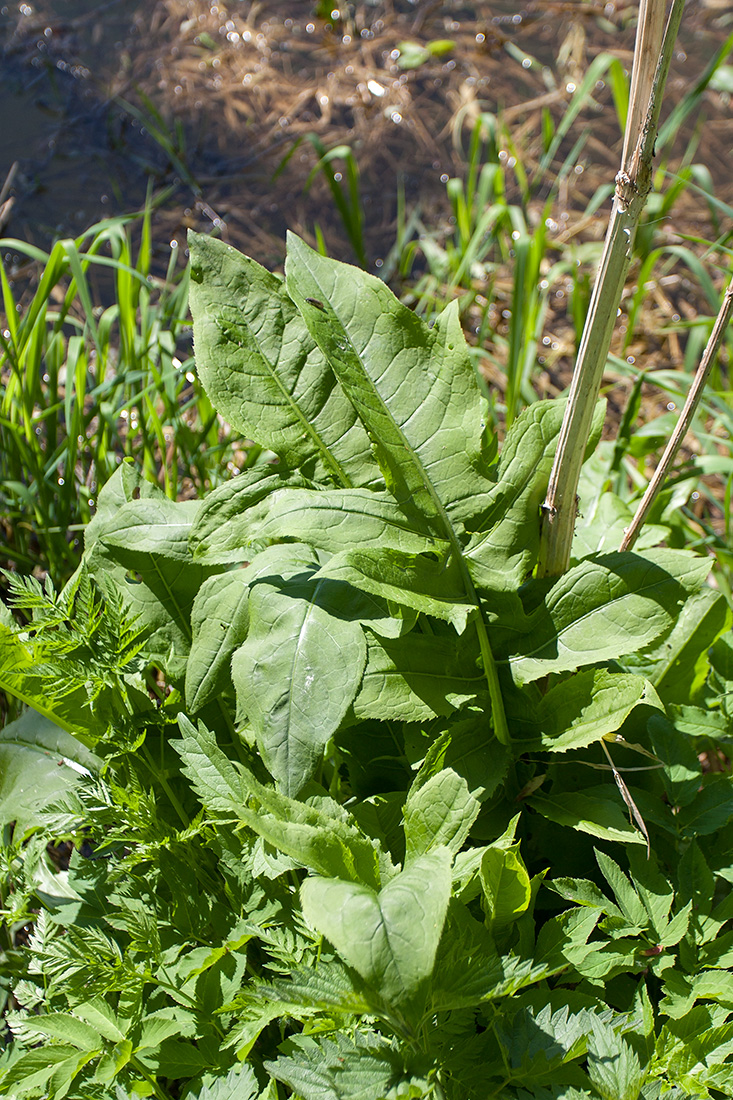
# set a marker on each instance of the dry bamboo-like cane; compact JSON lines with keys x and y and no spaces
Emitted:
{"x":632,"y":187}
{"x":693,"y":400}
{"x":648,"y":48}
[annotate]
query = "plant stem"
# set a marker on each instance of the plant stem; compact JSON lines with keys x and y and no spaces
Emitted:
{"x":158,"y":1092}
{"x":649,"y":46}
{"x":683,"y":424}
{"x":158,"y":774}
{"x":633,"y":184}
{"x":501,"y":728}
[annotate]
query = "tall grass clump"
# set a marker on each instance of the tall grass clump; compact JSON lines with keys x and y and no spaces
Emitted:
{"x":95,"y":366}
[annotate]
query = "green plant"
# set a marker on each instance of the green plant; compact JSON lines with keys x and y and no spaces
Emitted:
{"x":344,"y":741}
{"x":347,"y":200}
{"x":94,"y":366}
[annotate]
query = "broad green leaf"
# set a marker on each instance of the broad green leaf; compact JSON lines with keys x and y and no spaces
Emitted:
{"x":613,"y":1065}
{"x":263,"y":371}
{"x":65,"y":1028}
{"x":346,"y":1067}
{"x":224,"y":525}
{"x":439,"y":813}
{"x":415,"y":580}
{"x":33,"y":1069}
{"x":413,"y":387}
{"x":505,"y":884}
{"x":504,"y":548}
{"x":142,"y":548}
{"x":239,"y":1084}
{"x":416,"y":677}
{"x":157,"y":1027}
{"x":678,"y":665}
{"x":603,"y":609}
{"x":681,"y":991}
{"x":538,"y":1041}
{"x":563,"y":940}
{"x":296,"y":676}
{"x":696,"y":881}
{"x":146,"y":528}
{"x":677,"y":927}
{"x":326,"y":844}
{"x":343,"y":519}
{"x":710,"y":811}
{"x":699,"y":722}
{"x":390,"y":938}
{"x":589,"y":812}
{"x":601,"y":530}
{"x":469,"y":748}
{"x":213,"y":776}
{"x":656,"y":893}
{"x":113,"y":1061}
{"x":682,"y":771}
{"x":417,"y":394}
{"x":125,"y":485}
{"x":178,"y":1059}
{"x":39,"y":762}
{"x":98,"y":1014}
{"x":628,"y":900}
{"x":721,"y":675}
{"x":327,"y":986}
{"x":584,"y":708}
{"x":219,"y":622}
{"x":582,"y":891}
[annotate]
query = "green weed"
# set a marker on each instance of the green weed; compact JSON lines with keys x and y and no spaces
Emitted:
{"x":361,"y":806}
{"x":95,"y":365}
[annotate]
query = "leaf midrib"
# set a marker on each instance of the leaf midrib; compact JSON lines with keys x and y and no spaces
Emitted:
{"x":601,"y":607}
{"x":330,"y":461}
{"x":490,"y":672}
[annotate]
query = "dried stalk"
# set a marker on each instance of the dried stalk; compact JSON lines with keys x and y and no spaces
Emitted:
{"x":633,"y":184}
{"x":648,"y":48}
{"x":683,"y":424}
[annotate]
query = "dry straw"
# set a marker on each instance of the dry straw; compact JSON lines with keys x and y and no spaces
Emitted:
{"x":652,"y":56}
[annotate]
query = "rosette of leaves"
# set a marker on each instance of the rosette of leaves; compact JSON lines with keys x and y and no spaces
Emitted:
{"x":328,"y":702}
{"x":379,"y":568}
